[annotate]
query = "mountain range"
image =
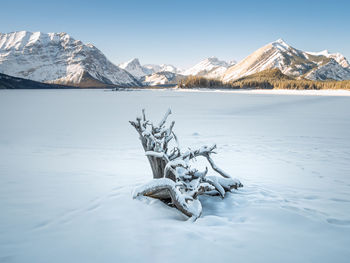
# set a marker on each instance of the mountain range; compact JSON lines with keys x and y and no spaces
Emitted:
{"x":292,"y":62}
{"x":151,"y":74}
{"x":211,"y":67}
{"x":58,"y":58}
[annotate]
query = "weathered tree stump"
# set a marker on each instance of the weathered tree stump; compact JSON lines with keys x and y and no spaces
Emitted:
{"x":174,"y":181}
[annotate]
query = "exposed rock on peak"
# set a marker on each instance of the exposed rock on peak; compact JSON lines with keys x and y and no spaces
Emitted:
{"x":290,"y":61}
{"x":58,"y":58}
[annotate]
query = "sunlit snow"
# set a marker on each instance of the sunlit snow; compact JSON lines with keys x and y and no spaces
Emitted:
{"x":69,"y":162}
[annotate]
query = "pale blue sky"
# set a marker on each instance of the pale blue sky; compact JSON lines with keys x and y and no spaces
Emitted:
{"x":183,"y":32}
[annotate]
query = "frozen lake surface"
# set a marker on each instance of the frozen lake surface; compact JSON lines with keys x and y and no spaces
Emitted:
{"x":69,"y":161}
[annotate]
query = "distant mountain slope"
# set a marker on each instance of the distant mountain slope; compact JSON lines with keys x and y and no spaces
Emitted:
{"x":336,"y":56}
{"x":134,"y":68}
{"x":290,"y":61}
{"x":152,"y":74}
{"x":331,"y":70}
{"x":162,"y":78}
{"x":161,"y":68}
{"x":211,"y":68}
{"x":58,"y":58}
{"x":9,"y":82}
{"x":139,"y":71}
{"x":267,"y":74}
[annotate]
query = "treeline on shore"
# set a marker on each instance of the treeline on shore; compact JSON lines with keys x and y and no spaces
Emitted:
{"x":267,"y":79}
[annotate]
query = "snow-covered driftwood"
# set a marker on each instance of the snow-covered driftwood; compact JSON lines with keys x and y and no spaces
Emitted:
{"x":174,"y":181}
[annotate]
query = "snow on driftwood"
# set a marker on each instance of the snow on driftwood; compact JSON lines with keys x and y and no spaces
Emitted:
{"x":175,"y":182}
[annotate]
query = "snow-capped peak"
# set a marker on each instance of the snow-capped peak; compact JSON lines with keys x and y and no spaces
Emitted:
{"x":59,"y":58}
{"x":210,"y":67}
{"x":280,"y":41}
{"x":281,"y":44}
{"x":161,"y":68}
{"x":336,"y":56}
{"x":134,"y":67}
{"x":20,"y":39}
{"x":167,"y":68}
{"x":325,"y":53}
{"x":130,"y":63}
{"x":290,"y":61}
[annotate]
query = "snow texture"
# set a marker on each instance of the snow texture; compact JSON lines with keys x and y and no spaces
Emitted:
{"x":193,"y":206}
{"x":69,"y":161}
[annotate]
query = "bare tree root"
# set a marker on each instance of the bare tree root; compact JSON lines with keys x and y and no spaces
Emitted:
{"x":173,"y":177}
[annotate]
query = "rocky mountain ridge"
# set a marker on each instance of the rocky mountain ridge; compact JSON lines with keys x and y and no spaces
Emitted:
{"x":58,"y":58}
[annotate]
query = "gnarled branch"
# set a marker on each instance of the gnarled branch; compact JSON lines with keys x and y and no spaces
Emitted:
{"x":174,"y":179}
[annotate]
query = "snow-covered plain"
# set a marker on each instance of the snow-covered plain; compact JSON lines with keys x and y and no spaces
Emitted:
{"x":69,"y":161}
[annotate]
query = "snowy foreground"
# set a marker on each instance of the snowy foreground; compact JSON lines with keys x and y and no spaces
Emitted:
{"x":69,"y":161}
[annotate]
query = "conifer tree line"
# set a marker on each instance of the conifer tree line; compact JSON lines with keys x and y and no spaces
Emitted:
{"x":267,"y":79}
